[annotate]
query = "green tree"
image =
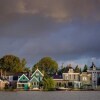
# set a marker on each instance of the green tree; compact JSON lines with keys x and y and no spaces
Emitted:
{"x":77,"y":69}
{"x":11,"y":63}
{"x":48,"y":83}
{"x":80,"y":70}
{"x":23,"y":62}
{"x":47,"y":64}
{"x":27,"y":69}
{"x":85,"y":68}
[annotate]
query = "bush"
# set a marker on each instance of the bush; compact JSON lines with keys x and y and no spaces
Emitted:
{"x":48,"y":84}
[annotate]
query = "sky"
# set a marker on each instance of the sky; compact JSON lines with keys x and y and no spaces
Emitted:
{"x":66,"y":30}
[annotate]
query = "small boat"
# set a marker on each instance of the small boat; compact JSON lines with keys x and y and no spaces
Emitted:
{"x":61,"y":89}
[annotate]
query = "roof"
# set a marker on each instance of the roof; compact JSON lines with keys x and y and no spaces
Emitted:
{"x":56,"y":76}
{"x":37,"y":70}
{"x":23,"y":76}
{"x":93,"y":65}
{"x":32,"y":79}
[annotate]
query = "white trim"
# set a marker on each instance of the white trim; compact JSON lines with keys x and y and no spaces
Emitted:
{"x":70,"y":73}
{"x":22,"y":76}
{"x":33,"y":78}
{"x":93,"y":70}
{"x":36,"y":71}
{"x":58,"y":79}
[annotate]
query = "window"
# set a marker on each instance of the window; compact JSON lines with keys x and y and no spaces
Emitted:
{"x":66,"y":77}
{"x":34,"y":83}
{"x":37,"y":74}
{"x":74,"y":76}
{"x":22,"y":85}
{"x":19,"y":85}
{"x":84,"y":78}
{"x":70,"y":77}
{"x":23,"y":78}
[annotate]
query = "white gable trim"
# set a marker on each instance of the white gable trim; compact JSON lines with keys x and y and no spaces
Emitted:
{"x":36,"y":71}
{"x":22,"y":76}
{"x":33,"y":78}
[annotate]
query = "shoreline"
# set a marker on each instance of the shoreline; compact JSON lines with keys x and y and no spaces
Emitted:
{"x":16,"y":90}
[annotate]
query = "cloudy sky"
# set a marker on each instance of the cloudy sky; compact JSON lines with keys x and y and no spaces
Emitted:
{"x":66,"y":30}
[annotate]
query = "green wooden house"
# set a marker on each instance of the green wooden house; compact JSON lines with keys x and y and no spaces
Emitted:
{"x":35,"y":80}
{"x":23,"y":82}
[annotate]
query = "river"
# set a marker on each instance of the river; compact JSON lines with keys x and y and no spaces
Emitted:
{"x":56,"y":95}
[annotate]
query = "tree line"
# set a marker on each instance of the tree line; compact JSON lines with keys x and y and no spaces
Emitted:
{"x":47,"y":65}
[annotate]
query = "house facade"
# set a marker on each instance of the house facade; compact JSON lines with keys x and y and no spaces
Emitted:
{"x":3,"y":83}
{"x":59,"y":81}
{"x":89,"y":79}
{"x":32,"y":82}
{"x":23,"y":82}
{"x":85,"y":79}
{"x":35,"y":80}
{"x":95,"y":75}
{"x":72,"y":78}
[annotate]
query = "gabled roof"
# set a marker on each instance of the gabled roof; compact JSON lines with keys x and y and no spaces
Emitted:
{"x":56,"y":76}
{"x":93,"y":65}
{"x":34,"y":78}
{"x":37,"y":70}
{"x":23,"y":76}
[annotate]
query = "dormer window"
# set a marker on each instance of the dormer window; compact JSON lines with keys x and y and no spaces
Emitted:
{"x":70,"y":70}
{"x":37,"y":74}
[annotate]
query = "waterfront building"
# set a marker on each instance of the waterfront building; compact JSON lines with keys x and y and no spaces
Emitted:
{"x":85,"y":79}
{"x":3,"y":83}
{"x":95,"y":75}
{"x":35,"y":80}
{"x":68,"y":79}
{"x":59,"y":81}
{"x":72,"y":78}
{"x":32,"y":82}
{"x":23,"y":82}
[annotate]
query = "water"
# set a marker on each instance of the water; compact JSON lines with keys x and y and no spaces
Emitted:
{"x":57,"y":95}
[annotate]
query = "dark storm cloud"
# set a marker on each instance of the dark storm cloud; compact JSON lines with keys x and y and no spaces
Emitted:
{"x":63,"y":29}
{"x":58,"y":9}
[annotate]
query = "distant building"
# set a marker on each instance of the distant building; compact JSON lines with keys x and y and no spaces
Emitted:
{"x":32,"y":82}
{"x":85,"y":79}
{"x":72,"y":78}
{"x":35,"y":79}
{"x":68,"y":79}
{"x":3,"y":83}
{"x":95,"y":75}
{"x":59,"y":80}
{"x":23,"y":82}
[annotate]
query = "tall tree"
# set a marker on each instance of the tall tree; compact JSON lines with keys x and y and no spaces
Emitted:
{"x":77,"y":69}
{"x":47,"y":64}
{"x":11,"y":63}
{"x":23,"y":62}
{"x":85,"y":68}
